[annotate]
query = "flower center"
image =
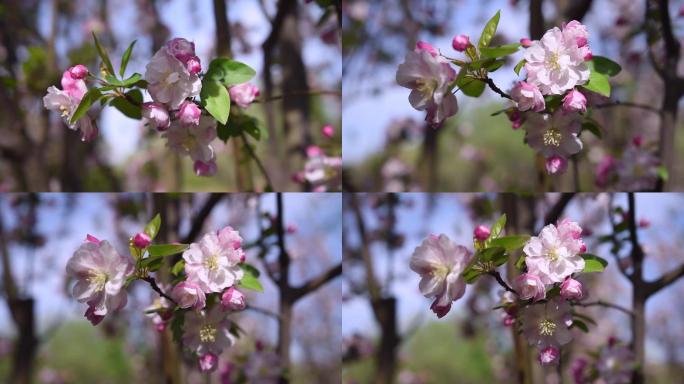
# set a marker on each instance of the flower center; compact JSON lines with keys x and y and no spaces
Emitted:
{"x":207,"y":333}
{"x":212,"y":263}
{"x":552,"y":254}
{"x":552,"y":137}
{"x":171,"y":78}
{"x":553,"y":61}
{"x":547,"y":327}
{"x":426,"y":86}
{"x":64,"y":109}
{"x":98,"y":280}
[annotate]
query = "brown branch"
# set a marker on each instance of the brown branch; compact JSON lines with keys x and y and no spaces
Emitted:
{"x":155,"y":287}
{"x":263,"y":311}
{"x":602,"y":303}
{"x":557,"y":210}
{"x":618,"y":103}
{"x":314,"y":284}
{"x":637,"y":252}
{"x":496,"y":89}
{"x":201,"y":217}
{"x":373,"y":285}
{"x":501,"y":281}
{"x":665,"y":280}
{"x":260,"y":165}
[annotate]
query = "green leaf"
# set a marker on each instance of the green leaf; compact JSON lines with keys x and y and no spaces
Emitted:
{"x":584,"y":317}
{"x":498,"y":227}
{"x":103,"y":54}
{"x":215,"y":99}
{"x":471,"y":87}
{"x":580,"y":324}
{"x":129,"y":105}
{"x":593,"y":263}
{"x":519,"y":66}
{"x":663,"y":173}
{"x":250,"y":270}
{"x":229,"y":72}
{"x":124,"y":59}
{"x":178,"y":267}
{"x":510,"y":243}
{"x":520,"y":262}
{"x":592,"y":126}
{"x":136,"y":77}
{"x":605,"y":66}
{"x":161,"y":250}
{"x":598,"y":82}
{"x":88,"y":99}
{"x":489,"y":31}
{"x":494,"y":65}
{"x":152,"y":228}
{"x":251,"y":282}
{"x":500,"y":51}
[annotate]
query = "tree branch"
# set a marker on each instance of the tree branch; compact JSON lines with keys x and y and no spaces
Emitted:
{"x":602,"y":303}
{"x":314,"y":284}
{"x":557,"y":210}
{"x":153,"y":284}
{"x":260,"y":165}
{"x":201,"y":217}
{"x":502,"y":282}
{"x":618,"y":103}
{"x":496,"y":89}
{"x":665,"y":280}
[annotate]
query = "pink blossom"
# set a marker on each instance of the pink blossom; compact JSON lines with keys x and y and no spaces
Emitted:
{"x":460,"y":42}
{"x":604,"y":170}
{"x":440,"y":262}
{"x":426,"y":47}
{"x":481,"y":232}
{"x":66,"y":101}
{"x":528,"y":97}
{"x":207,"y":331}
{"x":577,"y":31}
{"x":208,"y":362}
{"x":575,"y":101}
{"x":156,"y":115}
{"x":170,"y":82}
{"x":212,"y":263}
{"x":313,"y":151}
{"x":229,"y":237}
{"x":578,"y":369}
{"x":181,"y":49}
{"x":193,"y":65}
{"x":233,"y":300}
{"x":571,"y":289}
{"x":549,"y":355}
{"x":555,"y":63}
{"x":206,"y":169}
{"x":529,"y":286}
{"x":78,"y":71}
{"x":189,"y":113}
{"x":291,"y":229}
{"x":100,"y":273}
{"x":586,"y":53}
{"x":92,"y":239}
{"x":546,"y":324}
{"x":189,"y":294}
{"x":243,"y":94}
{"x":555,"y":134}
{"x":508,"y":321}
{"x":191,"y":140}
{"x":141,"y":240}
{"x":525,"y":42}
{"x":556,"y":164}
{"x":429,"y":79}
{"x":644,"y":223}
{"x":74,"y":87}
{"x":554,"y":254}
{"x":328,"y":131}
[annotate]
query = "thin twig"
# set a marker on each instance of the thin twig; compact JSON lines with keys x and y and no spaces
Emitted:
{"x":496,"y":89}
{"x":263,"y":311}
{"x":258,"y":162}
{"x":500,"y":280}
{"x":618,"y":103}
{"x":156,"y":288}
{"x":602,"y":303}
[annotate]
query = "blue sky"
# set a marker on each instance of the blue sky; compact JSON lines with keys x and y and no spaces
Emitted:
{"x":316,"y":216}
{"x":448,"y":216}
{"x":365,"y":116}
{"x":194,"y":21}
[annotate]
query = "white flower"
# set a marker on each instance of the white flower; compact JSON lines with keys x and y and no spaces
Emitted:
{"x":553,"y":135}
{"x":213,"y":263}
{"x":555,"y":63}
{"x":546,"y":324}
{"x":169,"y":81}
{"x":552,"y":255}
{"x":100,"y":273}
{"x":207,"y":331}
{"x":429,"y":79}
{"x":440,"y":262}
{"x":65,"y":103}
{"x":193,"y":140}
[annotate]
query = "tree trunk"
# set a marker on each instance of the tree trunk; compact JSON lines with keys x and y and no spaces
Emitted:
{"x":385,"y":311}
{"x":22,"y":311}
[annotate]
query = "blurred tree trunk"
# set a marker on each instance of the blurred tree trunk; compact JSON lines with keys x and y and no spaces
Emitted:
{"x":169,"y":352}
{"x":223,"y":49}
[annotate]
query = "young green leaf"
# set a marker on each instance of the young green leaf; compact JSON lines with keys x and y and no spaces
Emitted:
{"x":519,"y":66}
{"x":592,"y":126}
{"x":86,"y":102}
{"x":249,"y":281}
{"x":593,"y":263}
{"x":605,"y":66}
{"x":103,"y":54}
{"x":250,"y":270}
{"x":229,"y":72}
{"x":215,"y":99}
{"x":111,"y":79}
{"x":498,"y":227}
{"x":510,"y":243}
{"x":471,"y":87}
{"x":178,"y":267}
{"x":500,"y":51}
{"x":580,"y":324}
{"x":129,"y":105}
{"x":489,"y":31}
{"x":161,"y":250}
{"x":598,"y":82}
{"x":152,"y":228}
{"x":124,"y":59}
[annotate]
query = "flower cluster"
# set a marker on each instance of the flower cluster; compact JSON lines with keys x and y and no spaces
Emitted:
{"x":203,"y":296}
{"x":66,"y":100}
{"x":637,"y":168}
{"x":614,"y":363}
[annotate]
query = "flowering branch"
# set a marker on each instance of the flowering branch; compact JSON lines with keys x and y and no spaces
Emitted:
{"x":155,"y":287}
{"x":496,"y":89}
{"x":501,"y":281}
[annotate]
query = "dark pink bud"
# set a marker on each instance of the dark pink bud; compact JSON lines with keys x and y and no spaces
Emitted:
{"x":460,"y":42}
{"x":141,"y":240}
{"x":328,"y":131}
{"x":194,"y":65}
{"x":481,"y":232}
{"x":78,"y":71}
{"x":92,"y":239}
{"x":525,"y":42}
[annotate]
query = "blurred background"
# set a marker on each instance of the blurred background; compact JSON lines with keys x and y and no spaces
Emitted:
{"x":293,"y":45}
{"x":42,"y":329}
{"x":390,"y":332}
{"x":388,"y":146}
